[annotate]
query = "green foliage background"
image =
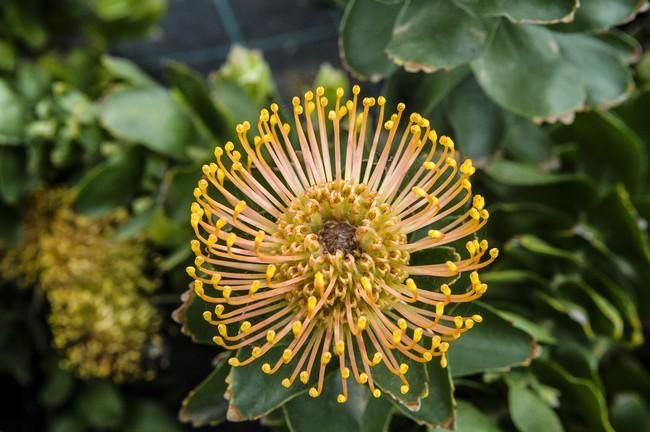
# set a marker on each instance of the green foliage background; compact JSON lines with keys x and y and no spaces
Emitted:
{"x":550,"y":99}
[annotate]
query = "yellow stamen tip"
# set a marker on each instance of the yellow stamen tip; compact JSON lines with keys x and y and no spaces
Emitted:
{"x":266,"y":368}
{"x":341,"y":398}
{"x":233,"y":361}
{"x":404,"y":389}
{"x":403,"y":368}
{"x":313,"y":392}
{"x":304,"y":377}
{"x":376,"y":393}
{"x":286,"y":383}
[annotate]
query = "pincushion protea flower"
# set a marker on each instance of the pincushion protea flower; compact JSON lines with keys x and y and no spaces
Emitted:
{"x":302,"y":239}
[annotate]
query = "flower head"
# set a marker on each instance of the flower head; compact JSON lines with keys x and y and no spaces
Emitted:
{"x":101,"y":322}
{"x":306,"y":238}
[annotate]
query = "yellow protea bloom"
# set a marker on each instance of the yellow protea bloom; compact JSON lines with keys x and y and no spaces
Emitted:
{"x":302,"y":238}
{"x":96,"y":286}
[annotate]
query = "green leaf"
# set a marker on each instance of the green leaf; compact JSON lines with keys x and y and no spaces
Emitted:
{"x":571,"y":310}
{"x":530,"y":11}
{"x":361,"y":412}
{"x":630,"y":413}
{"x":586,"y":53}
{"x":599,"y":15}
{"x":529,"y":412}
{"x":197,"y":96}
{"x":206,"y":404}
{"x":435,"y":34}
{"x":494,"y":344}
{"x":470,"y":419}
{"x":522,"y":174}
{"x":579,"y":396}
{"x":13,"y":174}
{"x":190,"y":315}
{"x":544,"y":75}
{"x":150,"y":416}
{"x":101,"y":405}
{"x":538,"y":332}
{"x":595,"y":132}
{"x":437,"y":408}
{"x":11,"y":230}
{"x":619,"y":223}
{"x":13,"y":116}
{"x":525,"y":141}
{"x":604,"y":317}
{"x":233,"y":102}
{"x":254,"y":394}
{"x":151,"y":117}
{"x":111,"y":184}
{"x":478,"y":123}
{"x":57,"y":388}
{"x":422,"y":92}
{"x":331,"y":78}
{"x":180,"y":182}
{"x":67,"y":423}
{"x":365,"y":31}
{"x":7,"y":56}
{"x":126,"y":70}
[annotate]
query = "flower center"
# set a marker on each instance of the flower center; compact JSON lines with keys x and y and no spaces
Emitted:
{"x":339,"y":236}
{"x":347,"y":250}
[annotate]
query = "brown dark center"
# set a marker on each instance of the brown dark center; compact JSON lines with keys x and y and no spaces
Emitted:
{"x":338,"y":235}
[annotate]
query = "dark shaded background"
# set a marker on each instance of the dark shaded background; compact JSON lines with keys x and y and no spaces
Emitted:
{"x":296,"y":37}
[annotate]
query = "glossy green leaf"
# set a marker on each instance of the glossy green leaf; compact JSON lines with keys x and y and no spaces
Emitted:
{"x":630,"y":413}
{"x":586,"y":53}
{"x":437,"y":408}
{"x":478,"y":123}
{"x":529,"y":412}
{"x":494,"y":344}
{"x":361,"y":412}
{"x":579,"y":396}
{"x":206,"y":405}
{"x":13,"y":174}
{"x":530,"y":11}
{"x":126,"y":70}
{"x":599,"y":15}
{"x":390,"y":384}
{"x":151,"y":117}
{"x":422,"y":92}
{"x":435,"y":34}
{"x":522,"y":174}
{"x":254,"y":394}
{"x":595,"y":132}
{"x":469,"y":419}
{"x":524,"y":141}
{"x":537,"y":331}
{"x":101,"y":404}
{"x":196,"y":94}
{"x":633,"y":113}
{"x":180,"y":182}
{"x":618,"y":221}
{"x":12,"y":115}
{"x":233,"y":103}
{"x":571,"y":310}
{"x":604,"y":317}
{"x":111,"y":184}
{"x":365,"y":31}
{"x":190,"y":315}
{"x":544,"y":75}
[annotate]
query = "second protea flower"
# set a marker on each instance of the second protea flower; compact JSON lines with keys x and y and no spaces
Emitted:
{"x":305,"y":237}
